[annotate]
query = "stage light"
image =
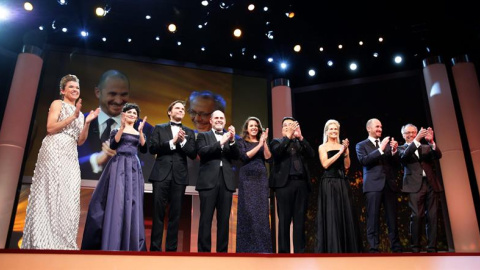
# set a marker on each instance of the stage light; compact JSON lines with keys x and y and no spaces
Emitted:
{"x":203,"y":49}
{"x":297,"y":48}
{"x":237,"y":33}
{"x":269,"y":34}
{"x":64,"y":29}
{"x":283,"y":65}
{"x":340,"y":46}
{"x":270,"y":59}
{"x":148,"y":17}
{"x":104,"y":39}
{"x":311,"y":72}
{"x":40,"y":27}
{"x":231,"y":54}
{"x":157,"y":38}
{"x":353,"y":66}
{"x":4,"y":13}
{"x":254,"y":56}
{"x":251,"y":7}
{"x":265,"y":9}
{"x":360,"y":43}
{"x":330,"y":63}
{"x":179,"y":43}
{"x":200,"y":26}
{"x":380,"y":39}
{"x":290,"y":14}
{"x":243,"y":51}
{"x":398,"y":59}
{"x":320,"y":49}
{"x":63,"y":2}
{"x":375,"y":54}
{"x":28,"y":6}
{"x":129,"y":40}
{"x":84,"y":33}
{"x":225,"y":5}
{"x":100,"y":11}
{"x":172,"y":28}
{"x":204,"y":3}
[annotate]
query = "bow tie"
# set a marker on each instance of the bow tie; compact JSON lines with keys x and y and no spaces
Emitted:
{"x":218,"y":132}
{"x":175,"y":124}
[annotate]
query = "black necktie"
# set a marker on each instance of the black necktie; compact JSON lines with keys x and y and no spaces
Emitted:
{"x":376,"y":143}
{"x":106,"y":133}
{"x":218,"y":132}
{"x":176,"y":124}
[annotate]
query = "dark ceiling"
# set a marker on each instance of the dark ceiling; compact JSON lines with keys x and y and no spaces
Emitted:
{"x":414,"y":29}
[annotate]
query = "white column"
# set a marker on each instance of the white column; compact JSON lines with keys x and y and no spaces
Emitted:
{"x":460,"y":204}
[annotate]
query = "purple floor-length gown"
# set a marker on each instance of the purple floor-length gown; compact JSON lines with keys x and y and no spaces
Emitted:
{"x":253,"y":226}
{"x":115,"y":214}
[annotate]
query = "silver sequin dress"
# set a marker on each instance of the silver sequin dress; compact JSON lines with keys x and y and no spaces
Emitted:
{"x":53,"y":209}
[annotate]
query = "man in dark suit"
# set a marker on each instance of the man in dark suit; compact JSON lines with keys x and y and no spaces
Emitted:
{"x":378,"y":158}
{"x":172,"y":143}
{"x":112,"y":92}
{"x":421,"y":182}
{"x":291,"y":181}
{"x":217,"y":149}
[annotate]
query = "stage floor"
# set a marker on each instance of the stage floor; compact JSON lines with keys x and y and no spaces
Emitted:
{"x":16,"y":259}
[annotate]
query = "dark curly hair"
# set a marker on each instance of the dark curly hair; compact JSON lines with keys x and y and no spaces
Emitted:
{"x":129,"y":106}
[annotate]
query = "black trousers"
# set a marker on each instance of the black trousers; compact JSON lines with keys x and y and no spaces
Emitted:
{"x":292,"y":206}
{"x":164,"y":193}
{"x":218,"y":198}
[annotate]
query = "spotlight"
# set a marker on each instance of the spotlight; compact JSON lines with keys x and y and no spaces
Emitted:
{"x":237,"y":32}
{"x":64,"y":29}
{"x":129,"y":40}
{"x":254,"y":56}
{"x":380,"y":39}
{"x":204,"y":3}
{"x":398,"y":59}
{"x":283,"y":65}
{"x":148,"y":17}
{"x":290,"y":14}
{"x":40,"y":27}
{"x":243,"y":51}
{"x":63,"y":2}
{"x":231,"y":54}
{"x":172,"y":28}
{"x":28,"y":6}
{"x":200,"y":26}
{"x":270,"y":59}
{"x":269,"y":34}
{"x":179,"y":43}
{"x":84,"y":33}
{"x":297,"y":48}
{"x":251,"y":7}
{"x":340,"y":46}
{"x":104,"y":39}
{"x":375,"y":54}
{"x":360,"y":43}
{"x":330,"y":63}
{"x":4,"y":13}
{"x":265,"y":9}
{"x":353,"y":66}
{"x":225,"y":5}
{"x":100,"y":11}
{"x":320,"y":49}
{"x":311,"y":72}
{"x":203,"y":49}
{"x":157,"y":38}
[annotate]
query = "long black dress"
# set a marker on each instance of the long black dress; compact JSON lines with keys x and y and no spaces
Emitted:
{"x":253,"y":226}
{"x":337,"y":229}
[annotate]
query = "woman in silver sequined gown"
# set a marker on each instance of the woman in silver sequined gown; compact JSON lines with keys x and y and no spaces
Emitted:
{"x":53,"y":209}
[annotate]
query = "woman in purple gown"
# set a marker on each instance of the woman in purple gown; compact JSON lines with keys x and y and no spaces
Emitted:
{"x":253,"y":226}
{"x":115,"y":214}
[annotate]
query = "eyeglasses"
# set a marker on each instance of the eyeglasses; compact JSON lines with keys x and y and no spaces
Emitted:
{"x":409,"y":132}
{"x":202,"y":115}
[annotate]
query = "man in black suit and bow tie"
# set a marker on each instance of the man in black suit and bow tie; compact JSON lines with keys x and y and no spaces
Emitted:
{"x":291,"y":181}
{"x":172,"y":143}
{"x":112,"y":91}
{"x":378,"y":158}
{"x":421,"y":182}
{"x":217,"y":149}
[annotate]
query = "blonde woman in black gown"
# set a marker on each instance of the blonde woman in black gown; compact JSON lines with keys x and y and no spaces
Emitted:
{"x":337,"y":230}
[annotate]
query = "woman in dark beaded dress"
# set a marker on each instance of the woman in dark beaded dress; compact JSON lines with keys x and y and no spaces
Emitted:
{"x":337,"y":229}
{"x":115,"y":214}
{"x":253,"y":226}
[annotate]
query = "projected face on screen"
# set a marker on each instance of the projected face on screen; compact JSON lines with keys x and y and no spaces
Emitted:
{"x":201,"y":106}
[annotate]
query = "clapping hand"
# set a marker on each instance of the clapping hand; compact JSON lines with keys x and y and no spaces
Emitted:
{"x":142,"y":124}
{"x":429,"y":135}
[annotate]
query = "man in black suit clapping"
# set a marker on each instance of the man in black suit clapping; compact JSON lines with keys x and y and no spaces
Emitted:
{"x":172,"y":143}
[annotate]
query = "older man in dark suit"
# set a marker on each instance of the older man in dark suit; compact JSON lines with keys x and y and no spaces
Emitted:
{"x":291,"y":181}
{"x":421,"y":182}
{"x":378,"y":158}
{"x":172,"y":143}
{"x":217,"y":149}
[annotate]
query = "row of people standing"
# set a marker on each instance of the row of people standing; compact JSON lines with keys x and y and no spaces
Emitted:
{"x":119,"y":193}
